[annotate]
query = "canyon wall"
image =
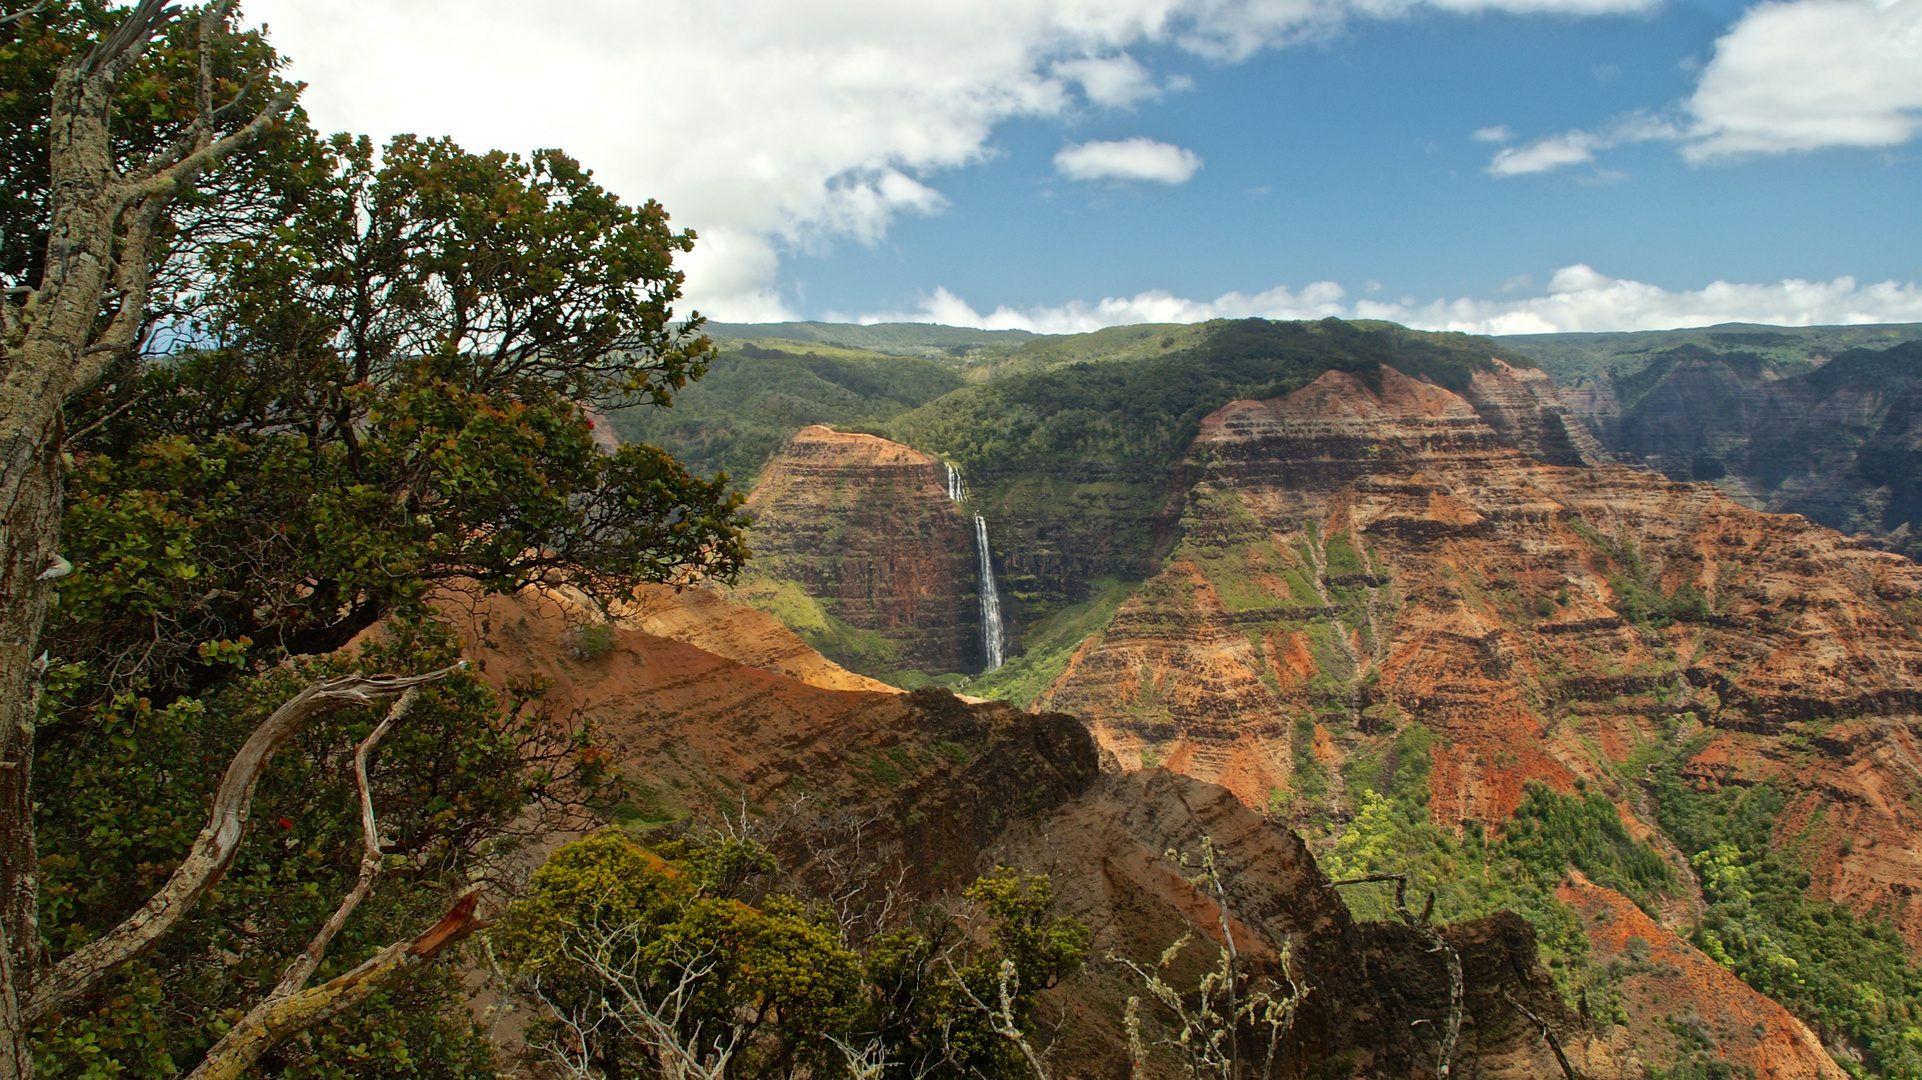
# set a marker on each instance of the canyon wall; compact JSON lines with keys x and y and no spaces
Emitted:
{"x":1354,"y":561}
{"x":886,"y":801}
{"x":1841,"y":444}
{"x":858,"y":548}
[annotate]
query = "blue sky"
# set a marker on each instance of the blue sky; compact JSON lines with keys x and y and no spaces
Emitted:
{"x":1059,"y":164}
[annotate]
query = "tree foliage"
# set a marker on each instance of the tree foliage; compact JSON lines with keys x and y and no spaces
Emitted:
{"x":643,"y":965}
{"x":359,"y":380}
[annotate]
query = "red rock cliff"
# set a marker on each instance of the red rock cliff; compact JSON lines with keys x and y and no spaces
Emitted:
{"x":1352,"y":560}
{"x":857,"y":545}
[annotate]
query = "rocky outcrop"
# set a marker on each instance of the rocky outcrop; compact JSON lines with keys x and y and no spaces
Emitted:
{"x":1352,"y":561}
{"x":882,"y":801}
{"x":858,"y":547}
{"x":924,"y":779}
{"x":1378,"y":997}
{"x":1527,"y":412}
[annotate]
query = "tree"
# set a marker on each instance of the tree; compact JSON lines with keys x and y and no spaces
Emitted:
{"x":103,"y":223}
{"x":647,"y":966}
{"x":375,"y":388}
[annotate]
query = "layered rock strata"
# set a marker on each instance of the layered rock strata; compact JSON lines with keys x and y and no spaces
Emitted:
{"x":1352,"y":561}
{"x":882,"y":801}
{"x":857,"y":545}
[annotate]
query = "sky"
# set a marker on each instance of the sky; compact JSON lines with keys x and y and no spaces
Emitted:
{"x":1493,"y":166}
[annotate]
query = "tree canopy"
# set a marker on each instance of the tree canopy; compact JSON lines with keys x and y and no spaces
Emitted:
{"x":360,"y":376}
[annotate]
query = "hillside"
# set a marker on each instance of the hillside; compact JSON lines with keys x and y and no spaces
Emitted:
{"x":883,"y":802}
{"x":1387,"y":588}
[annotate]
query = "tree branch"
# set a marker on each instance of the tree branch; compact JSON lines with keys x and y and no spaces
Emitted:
{"x":245,"y":1042}
{"x":217,"y":843}
{"x":24,"y":13}
{"x":302,"y":968}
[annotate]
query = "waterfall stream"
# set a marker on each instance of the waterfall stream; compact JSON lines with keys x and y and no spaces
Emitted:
{"x":993,"y":634}
{"x":991,"y":629}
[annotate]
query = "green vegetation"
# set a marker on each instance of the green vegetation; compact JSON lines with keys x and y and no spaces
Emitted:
{"x":1045,"y":647}
{"x":659,"y":964}
{"x":1838,"y":971}
{"x":1146,"y":411}
{"x":1473,"y":875}
{"x":903,"y":339}
{"x":758,"y":393}
{"x":1625,"y":356}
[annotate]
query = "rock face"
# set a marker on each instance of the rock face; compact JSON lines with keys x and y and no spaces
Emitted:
{"x":1351,"y":561}
{"x":701,"y":618}
{"x":908,"y":796}
{"x":1841,"y":444}
{"x":1379,"y":999}
{"x":928,"y":778}
{"x":858,"y":547}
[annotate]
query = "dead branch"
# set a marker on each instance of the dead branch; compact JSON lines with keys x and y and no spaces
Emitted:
{"x":626,"y":1008}
{"x":1436,"y":943}
{"x":217,"y":843}
{"x":1001,"y":1019}
{"x":1548,"y":1035}
{"x":24,"y":13}
{"x":245,"y":1042}
{"x":303,"y":967}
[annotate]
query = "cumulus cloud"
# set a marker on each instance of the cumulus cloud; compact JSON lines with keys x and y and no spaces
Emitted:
{"x":1128,"y":159}
{"x":1113,"y":81}
{"x":1578,"y":299}
{"x":1787,"y":76}
{"x":1500,"y":133}
{"x":1810,"y":74}
{"x":766,"y":124}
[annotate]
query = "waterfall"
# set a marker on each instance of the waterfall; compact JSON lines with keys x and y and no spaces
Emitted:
{"x":991,"y":629}
{"x":957,"y":490}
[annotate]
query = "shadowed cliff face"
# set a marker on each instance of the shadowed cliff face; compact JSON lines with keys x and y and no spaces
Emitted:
{"x":1352,"y":561}
{"x":858,"y":548}
{"x":919,"y":793}
{"x":1841,"y":444}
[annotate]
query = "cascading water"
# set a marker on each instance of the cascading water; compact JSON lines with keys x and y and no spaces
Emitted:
{"x":991,"y":630}
{"x":957,"y":491}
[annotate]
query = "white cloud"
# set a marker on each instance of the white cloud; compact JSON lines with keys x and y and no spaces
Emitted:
{"x":1113,"y":81}
{"x":1500,"y":133}
{"x":1790,"y":75}
{"x":1810,"y":74}
{"x":1578,"y":147}
{"x":768,"y":124}
{"x":1578,"y":299}
{"x":1128,"y":159}
{"x":1542,"y":155}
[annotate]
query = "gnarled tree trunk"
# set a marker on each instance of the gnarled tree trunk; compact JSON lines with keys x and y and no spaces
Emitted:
{"x":56,"y":343}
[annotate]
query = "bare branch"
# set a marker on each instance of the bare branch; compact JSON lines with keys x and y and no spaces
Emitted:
{"x":302,"y":968}
{"x":245,"y":1042}
{"x":25,"y":13}
{"x":217,"y":843}
{"x":114,"y":53}
{"x":1001,"y":1019}
{"x":1436,"y":943}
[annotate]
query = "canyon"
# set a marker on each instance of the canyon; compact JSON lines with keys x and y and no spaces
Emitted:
{"x":1458,"y":565}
